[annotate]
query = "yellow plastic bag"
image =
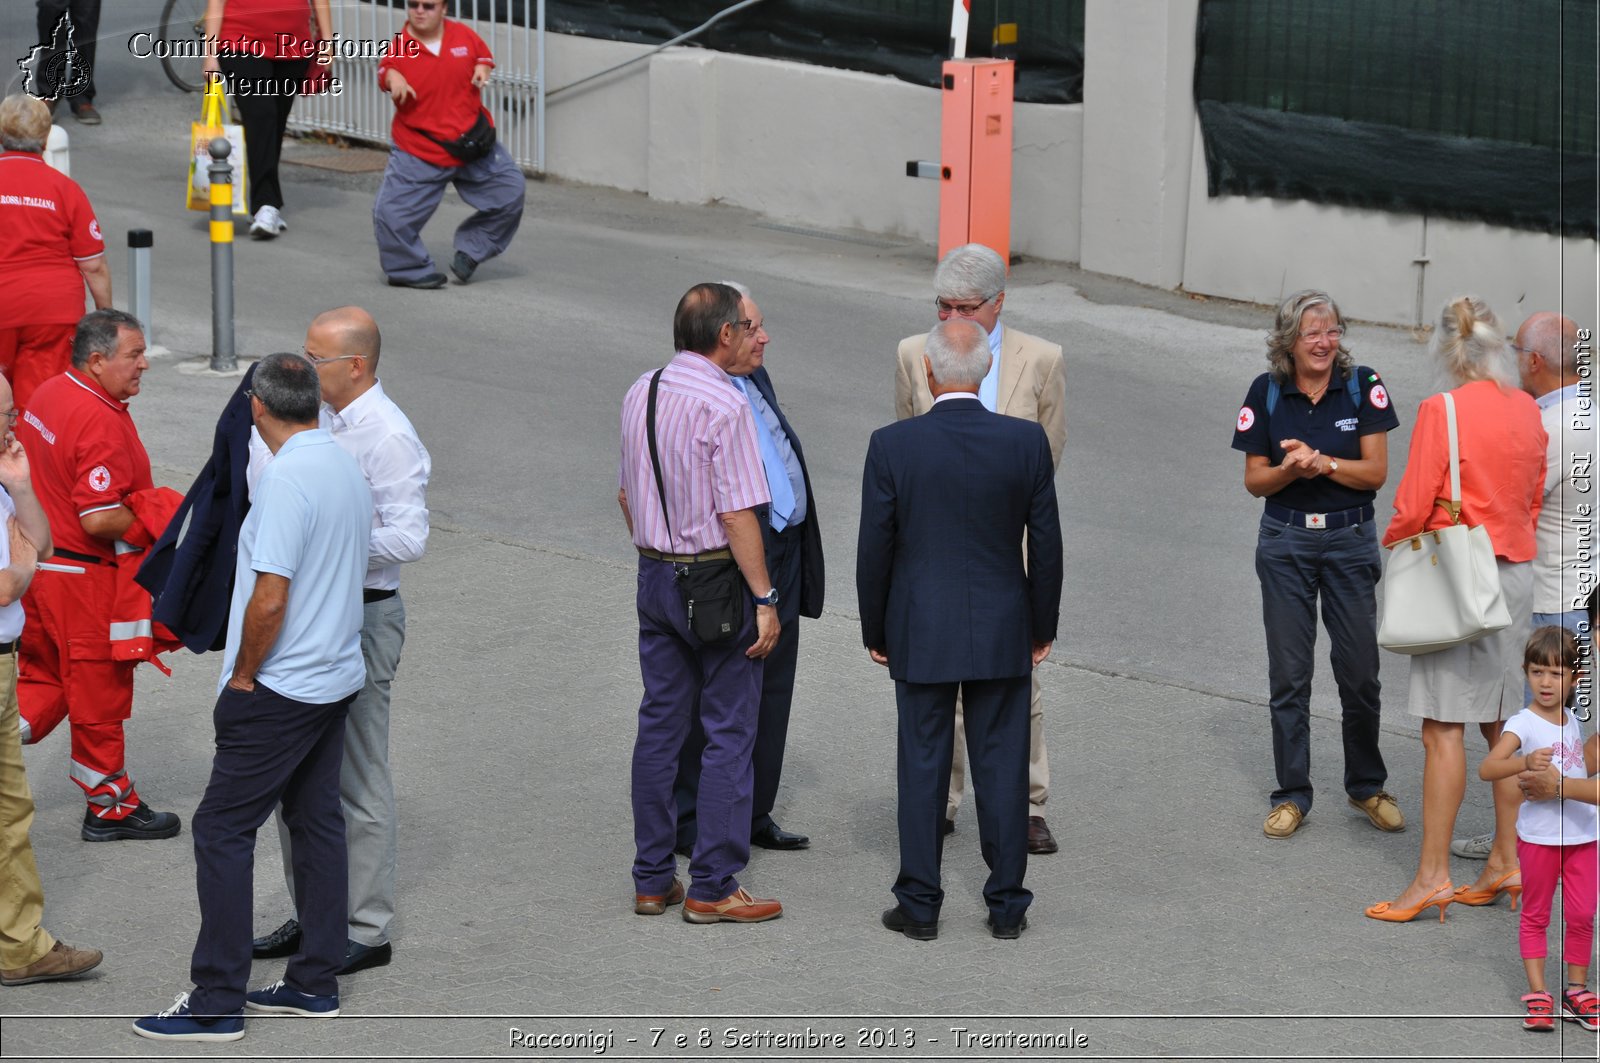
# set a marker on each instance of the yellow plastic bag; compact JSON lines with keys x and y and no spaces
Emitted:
{"x":213,"y":123}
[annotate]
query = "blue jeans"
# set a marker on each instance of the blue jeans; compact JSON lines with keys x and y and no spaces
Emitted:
{"x":1299,"y":569}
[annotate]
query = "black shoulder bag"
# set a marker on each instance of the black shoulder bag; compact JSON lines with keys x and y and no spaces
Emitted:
{"x":713,"y":591}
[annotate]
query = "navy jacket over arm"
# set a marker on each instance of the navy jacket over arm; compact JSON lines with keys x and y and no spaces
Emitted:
{"x":189,"y":572}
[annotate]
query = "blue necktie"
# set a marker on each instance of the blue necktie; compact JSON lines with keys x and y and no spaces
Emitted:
{"x":777,"y":475}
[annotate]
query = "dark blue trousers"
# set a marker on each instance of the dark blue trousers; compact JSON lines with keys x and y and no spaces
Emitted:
{"x":1299,"y":569}
{"x":777,"y":695}
{"x":680,"y":672}
{"x":996,"y":712}
{"x":270,"y":749}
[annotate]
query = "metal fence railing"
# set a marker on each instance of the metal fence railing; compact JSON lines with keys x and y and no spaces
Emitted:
{"x":514,"y":95}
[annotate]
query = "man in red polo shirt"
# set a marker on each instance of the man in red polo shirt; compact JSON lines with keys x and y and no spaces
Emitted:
{"x":50,"y":246}
{"x":87,"y":459}
{"x":433,"y":73}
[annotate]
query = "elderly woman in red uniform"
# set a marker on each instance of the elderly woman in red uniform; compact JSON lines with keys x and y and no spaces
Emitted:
{"x":50,"y":247}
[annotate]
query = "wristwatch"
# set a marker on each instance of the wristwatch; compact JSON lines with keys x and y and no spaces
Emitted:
{"x":1333,"y":466}
{"x":769,"y":598}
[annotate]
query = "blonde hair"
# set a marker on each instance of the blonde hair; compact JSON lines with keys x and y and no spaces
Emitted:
{"x":24,"y":123}
{"x":1469,"y":344}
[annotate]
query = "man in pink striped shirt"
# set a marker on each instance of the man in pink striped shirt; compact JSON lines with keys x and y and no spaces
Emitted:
{"x":714,"y":481}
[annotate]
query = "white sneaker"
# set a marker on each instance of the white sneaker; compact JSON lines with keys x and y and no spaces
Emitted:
{"x":268,"y":223}
{"x":1477,"y":848}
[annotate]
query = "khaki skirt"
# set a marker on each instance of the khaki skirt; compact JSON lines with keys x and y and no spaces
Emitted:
{"x":1479,"y":682}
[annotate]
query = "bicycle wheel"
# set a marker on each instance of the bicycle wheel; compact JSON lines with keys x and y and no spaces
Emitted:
{"x":181,"y":41}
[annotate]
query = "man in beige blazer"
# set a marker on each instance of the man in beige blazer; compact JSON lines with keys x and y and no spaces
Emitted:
{"x":1027,"y":380}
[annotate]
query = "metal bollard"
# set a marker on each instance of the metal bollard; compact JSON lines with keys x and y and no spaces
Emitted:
{"x":139,"y":243}
{"x":222,"y":356}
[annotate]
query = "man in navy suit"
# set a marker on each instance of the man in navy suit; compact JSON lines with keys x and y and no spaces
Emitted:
{"x":794,"y":561}
{"x":947,"y":604}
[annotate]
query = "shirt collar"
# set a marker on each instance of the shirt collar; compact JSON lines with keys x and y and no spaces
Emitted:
{"x":308,"y":438}
{"x":996,"y":338}
{"x":92,"y":386}
{"x":703,"y":366}
{"x":1338,"y":377}
{"x":1558,"y":397}
{"x":360,"y":407}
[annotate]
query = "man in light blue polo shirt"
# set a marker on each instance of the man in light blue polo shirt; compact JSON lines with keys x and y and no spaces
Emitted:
{"x":290,"y":669}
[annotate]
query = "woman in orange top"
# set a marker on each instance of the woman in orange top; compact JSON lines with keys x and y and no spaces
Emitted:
{"x":1502,"y":458}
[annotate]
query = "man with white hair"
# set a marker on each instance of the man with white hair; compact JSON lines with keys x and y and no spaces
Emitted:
{"x":1026,"y":379}
{"x":951,"y":606}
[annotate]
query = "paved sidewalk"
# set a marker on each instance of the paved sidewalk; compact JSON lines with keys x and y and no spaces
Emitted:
{"x":1168,"y":926}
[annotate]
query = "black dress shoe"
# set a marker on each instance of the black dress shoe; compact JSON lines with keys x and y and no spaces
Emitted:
{"x":949,"y":826}
{"x":1008,"y":932}
{"x":284,"y":941}
{"x":897,"y":920}
{"x":358,"y":957}
{"x":775,"y":837}
{"x":432,"y":280}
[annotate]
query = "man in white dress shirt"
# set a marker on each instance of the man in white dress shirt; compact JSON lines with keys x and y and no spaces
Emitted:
{"x":344,"y":346}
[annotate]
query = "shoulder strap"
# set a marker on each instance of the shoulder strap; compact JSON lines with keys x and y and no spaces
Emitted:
{"x":1452,"y":505}
{"x":1352,"y":384}
{"x":655,"y":456}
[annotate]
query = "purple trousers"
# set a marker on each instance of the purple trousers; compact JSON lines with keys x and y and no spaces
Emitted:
{"x":680,"y":673}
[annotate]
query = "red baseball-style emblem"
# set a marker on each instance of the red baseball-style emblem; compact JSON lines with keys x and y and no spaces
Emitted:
{"x":99,"y":478}
{"x":1380,"y":397}
{"x":1247,"y":417}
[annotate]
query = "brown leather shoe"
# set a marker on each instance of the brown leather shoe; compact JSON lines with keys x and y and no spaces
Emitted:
{"x":1040,"y":840}
{"x":656,"y":903}
{"x":62,"y":961}
{"x":736,"y":907}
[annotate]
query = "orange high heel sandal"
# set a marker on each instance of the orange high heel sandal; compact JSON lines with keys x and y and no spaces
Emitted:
{"x":1479,"y":898}
{"x":1388,"y":913}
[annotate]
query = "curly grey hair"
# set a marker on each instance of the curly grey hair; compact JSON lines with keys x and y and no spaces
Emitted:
{"x":1286,"y":331}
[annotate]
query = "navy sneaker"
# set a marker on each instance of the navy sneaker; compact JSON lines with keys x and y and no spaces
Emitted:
{"x":177,"y":1024}
{"x":279,"y":997}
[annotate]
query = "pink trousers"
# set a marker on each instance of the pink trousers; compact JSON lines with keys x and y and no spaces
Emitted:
{"x":1576,"y":867}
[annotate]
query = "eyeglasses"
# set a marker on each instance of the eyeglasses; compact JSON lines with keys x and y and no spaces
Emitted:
{"x":320,"y":362}
{"x":418,"y":6}
{"x":1522,"y":350}
{"x":1314,"y":337}
{"x":962,"y":309}
{"x":749,"y":325}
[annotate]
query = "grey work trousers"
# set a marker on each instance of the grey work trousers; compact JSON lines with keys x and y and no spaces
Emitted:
{"x":410,"y":193}
{"x":366,"y":788}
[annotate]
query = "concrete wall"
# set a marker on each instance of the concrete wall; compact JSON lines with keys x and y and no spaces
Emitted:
{"x":804,"y":144}
{"x":1116,"y":184}
{"x":1137,"y":137}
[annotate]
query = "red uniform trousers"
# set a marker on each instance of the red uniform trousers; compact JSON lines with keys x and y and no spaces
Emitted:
{"x":32,"y":354}
{"x":66,"y":671}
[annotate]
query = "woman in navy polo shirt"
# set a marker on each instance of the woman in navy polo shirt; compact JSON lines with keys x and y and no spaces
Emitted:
{"x":1313,"y":431}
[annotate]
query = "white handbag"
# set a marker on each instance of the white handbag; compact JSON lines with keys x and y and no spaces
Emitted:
{"x":1442,"y":588}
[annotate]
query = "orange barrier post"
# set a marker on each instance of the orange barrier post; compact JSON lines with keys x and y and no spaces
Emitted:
{"x":975,"y":155}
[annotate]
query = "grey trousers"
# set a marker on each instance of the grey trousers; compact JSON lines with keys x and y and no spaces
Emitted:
{"x":411,"y":192}
{"x":366,"y":789}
